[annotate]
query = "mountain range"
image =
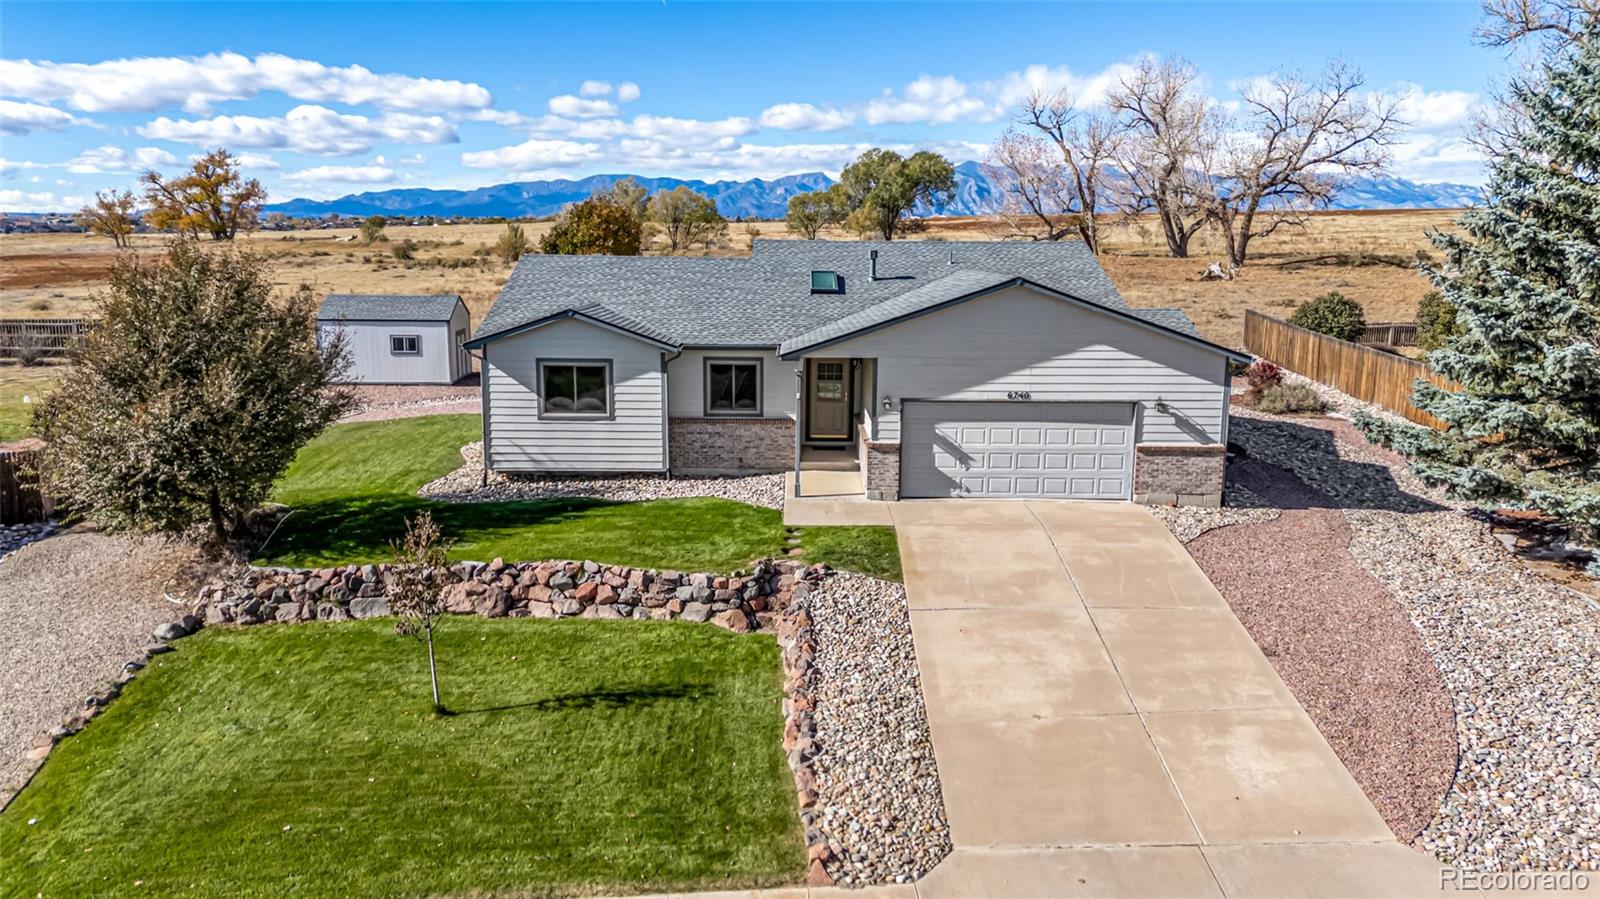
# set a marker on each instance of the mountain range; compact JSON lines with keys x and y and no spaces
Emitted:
{"x":978,"y":192}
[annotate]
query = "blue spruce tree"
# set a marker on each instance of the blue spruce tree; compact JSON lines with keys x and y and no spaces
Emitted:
{"x":1524,"y":427}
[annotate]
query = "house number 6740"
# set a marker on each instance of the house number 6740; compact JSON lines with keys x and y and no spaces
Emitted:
{"x":1019,"y":395}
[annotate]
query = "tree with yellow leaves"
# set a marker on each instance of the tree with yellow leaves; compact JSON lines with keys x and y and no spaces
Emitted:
{"x":212,"y":198}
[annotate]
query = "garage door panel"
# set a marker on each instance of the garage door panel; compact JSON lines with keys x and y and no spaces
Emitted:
{"x":1065,"y":450}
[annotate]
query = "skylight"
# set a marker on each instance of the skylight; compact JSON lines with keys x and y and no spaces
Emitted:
{"x":825,"y":282}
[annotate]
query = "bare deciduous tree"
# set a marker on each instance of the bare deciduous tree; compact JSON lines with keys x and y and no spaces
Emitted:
{"x":1168,"y":140}
{"x":1056,"y":175}
{"x":1532,"y":31}
{"x":415,"y":594}
{"x":1507,"y":23}
{"x":1295,"y":140}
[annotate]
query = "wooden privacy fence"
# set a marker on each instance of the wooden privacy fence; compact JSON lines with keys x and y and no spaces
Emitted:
{"x":39,"y":337}
{"x":1391,"y":333}
{"x":1382,"y":379}
{"x":20,"y":498}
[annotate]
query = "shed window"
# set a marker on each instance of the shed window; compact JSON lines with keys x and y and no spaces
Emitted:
{"x":405,"y":344}
{"x":733,"y":387}
{"x":576,"y":388}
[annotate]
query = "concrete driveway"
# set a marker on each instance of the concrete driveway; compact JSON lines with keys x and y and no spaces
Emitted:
{"x":1104,"y":725}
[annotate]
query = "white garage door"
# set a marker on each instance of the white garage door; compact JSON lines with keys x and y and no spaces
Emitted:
{"x":1054,"y":450}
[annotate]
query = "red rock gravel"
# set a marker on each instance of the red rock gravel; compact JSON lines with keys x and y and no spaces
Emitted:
{"x":1345,"y":648}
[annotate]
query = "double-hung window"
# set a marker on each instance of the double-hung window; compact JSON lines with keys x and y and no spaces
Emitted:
{"x":733,"y":387}
{"x":405,"y":344}
{"x":575,"y":388}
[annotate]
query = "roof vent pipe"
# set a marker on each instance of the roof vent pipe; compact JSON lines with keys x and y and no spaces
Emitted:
{"x":952,"y":257}
{"x":872,"y":256}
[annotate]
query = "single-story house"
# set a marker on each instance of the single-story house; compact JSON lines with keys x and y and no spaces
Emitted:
{"x":936,"y":369}
{"x":400,"y":339}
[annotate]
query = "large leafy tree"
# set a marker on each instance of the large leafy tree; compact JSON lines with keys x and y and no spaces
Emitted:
{"x":596,"y":226}
{"x":111,"y":215}
{"x":212,"y":198}
{"x":685,"y":218}
{"x":810,"y":212}
{"x":190,"y":396}
{"x":1524,"y":278}
{"x":881,"y":188}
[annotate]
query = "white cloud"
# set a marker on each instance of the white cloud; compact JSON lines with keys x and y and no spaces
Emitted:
{"x":1085,"y":91}
{"x":257,"y":161}
{"x":8,"y":166}
{"x":627,"y":92}
{"x":148,"y":83}
{"x":100,"y":160}
{"x":498,"y":116}
{"x":696,"y":132}
{"x":568,"y":105}
{"x":934,"y":101}
{"x":345,"y":174}
{"x":532,"y":154}
{"x":306,"y":129}
{"x":594,"y":89}
{"x":1425,"y":109}
{"x":413,"y":159}
{"x":21,"y":118}
{"x":42,"y":201}
{"x":805,"y":117}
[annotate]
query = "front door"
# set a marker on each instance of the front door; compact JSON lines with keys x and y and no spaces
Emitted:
{"x":828,"y":405}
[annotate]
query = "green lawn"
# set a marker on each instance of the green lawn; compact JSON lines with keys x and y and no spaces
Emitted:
{"x":353,"y":487}
{"x":17,"y":382}
{"x":271,"y":761}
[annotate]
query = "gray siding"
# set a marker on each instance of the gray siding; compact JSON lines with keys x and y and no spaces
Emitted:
{"x":518,"y":438}
{"x":686,"y":382}
{"x":1021,"y":340}
{"x":373,"y":363}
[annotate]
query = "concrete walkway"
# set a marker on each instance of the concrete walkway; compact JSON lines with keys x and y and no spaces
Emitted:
{"x":1104,"y":726}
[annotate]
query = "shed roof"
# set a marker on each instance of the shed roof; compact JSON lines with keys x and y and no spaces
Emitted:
{"x":388,"y":307}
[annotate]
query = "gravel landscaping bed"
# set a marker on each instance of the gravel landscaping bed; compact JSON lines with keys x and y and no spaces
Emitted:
{"x":1518,"y":655}
{"x":1239,"y":506}
{"x":880,"y":808}
{"x":465,"y":485}
{"x":76,"y":606}
{"x":382,"y":402}
{"x":1521,"y":657}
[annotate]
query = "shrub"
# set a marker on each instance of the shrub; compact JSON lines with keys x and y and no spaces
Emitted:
{"x":405,"y":250}
{"x":372,"y":229}
{"x":30,"y":349}
{"x":512,"y":243}
{"x":1436,"y":321}
{"x":39,"y":305}
{"x":1333,"y":314}
{"x":1263,"y":373}
{"x":1289,"y":399}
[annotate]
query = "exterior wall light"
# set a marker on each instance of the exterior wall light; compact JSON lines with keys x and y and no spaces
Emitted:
{"x":888,"y":403}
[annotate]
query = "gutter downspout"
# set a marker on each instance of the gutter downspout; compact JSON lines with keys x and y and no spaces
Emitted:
{"x":483,"y":411}
{"x":666,"y":414}
{"x":799,"y":421}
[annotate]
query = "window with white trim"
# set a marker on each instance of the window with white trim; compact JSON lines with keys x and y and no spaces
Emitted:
{"x":733,"y":387}
{"x":405,"y":344}
{"x":575,"y":388}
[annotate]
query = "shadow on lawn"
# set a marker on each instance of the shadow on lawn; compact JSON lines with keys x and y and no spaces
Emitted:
{"x":361,"y":528}
{"x":593,"y":699}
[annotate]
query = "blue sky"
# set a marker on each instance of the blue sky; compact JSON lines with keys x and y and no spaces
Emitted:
{"x":332,"y":98}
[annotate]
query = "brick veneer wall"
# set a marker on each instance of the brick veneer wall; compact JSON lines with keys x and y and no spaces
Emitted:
{"x":880,"y":467}
{"x":1182,"y":475}
{"x":730,"y":445}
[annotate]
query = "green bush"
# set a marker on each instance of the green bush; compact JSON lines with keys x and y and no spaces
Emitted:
{"x":1436,"y":321}
{"x":1289,"y":399}
{"x":1333,"y":314}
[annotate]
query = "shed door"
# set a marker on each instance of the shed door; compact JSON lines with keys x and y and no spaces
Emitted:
{"x":1022,"y":450}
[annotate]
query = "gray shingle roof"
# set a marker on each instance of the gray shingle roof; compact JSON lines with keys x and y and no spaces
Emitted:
{"x":766,"y":298}
{"x":388,"y":307}
{"x":959,"y":283}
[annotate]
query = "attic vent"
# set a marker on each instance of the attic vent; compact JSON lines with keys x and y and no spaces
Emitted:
{"x":825,"y":282}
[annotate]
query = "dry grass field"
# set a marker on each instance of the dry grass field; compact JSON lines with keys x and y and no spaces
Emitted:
{"x":1368,"y":256}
